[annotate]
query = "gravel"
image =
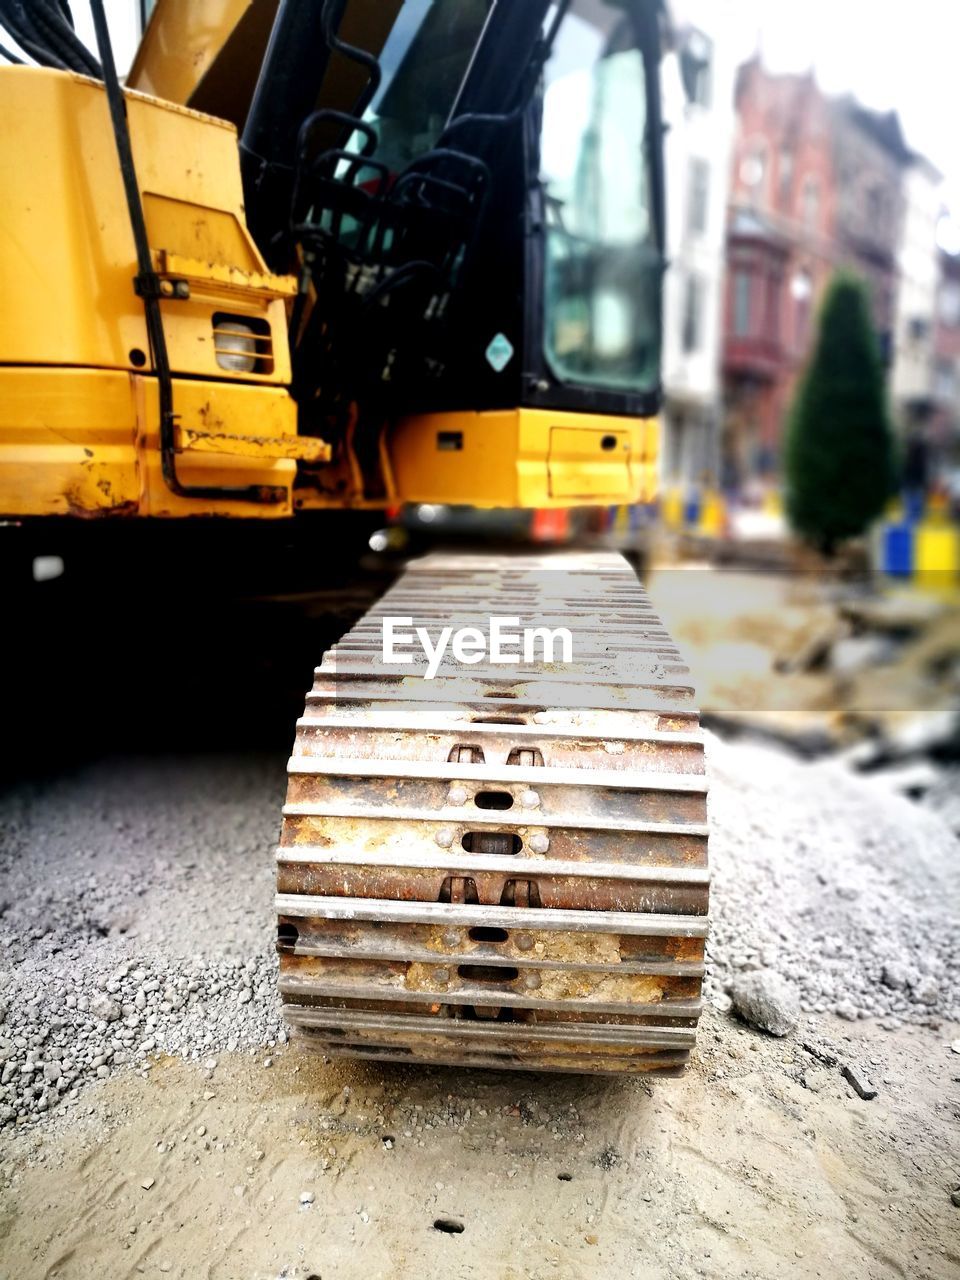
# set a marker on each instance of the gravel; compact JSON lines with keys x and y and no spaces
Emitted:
{"x":765,"y":1000}
{"x":839,"y":885}
{"x":135,"y":921}
{"x":136,"y":910}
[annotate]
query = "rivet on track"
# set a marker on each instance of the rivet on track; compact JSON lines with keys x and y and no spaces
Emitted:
{"x":451,"y":938}
{"x":529,"y":799}
{"x":442,"y":975}
{"x":444,"y":837}
{"x":524,"y":942}
{"x":532,"y":981}
{"x":539,"y":843}
{"x":457,"y":795}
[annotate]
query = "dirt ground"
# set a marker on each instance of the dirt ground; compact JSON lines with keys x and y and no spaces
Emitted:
{"x":762,"y":1162}
{"x":739,"y":1169}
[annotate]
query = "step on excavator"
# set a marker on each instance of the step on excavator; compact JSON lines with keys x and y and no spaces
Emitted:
{"x":343,"y":255}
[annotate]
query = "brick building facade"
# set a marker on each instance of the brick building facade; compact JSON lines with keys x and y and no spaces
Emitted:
{"x":816,"y":184}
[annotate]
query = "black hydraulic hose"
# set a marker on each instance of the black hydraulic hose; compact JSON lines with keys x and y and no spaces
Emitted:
{"x":10,"y":56}
{"x":17,"y":23}
{"x":45,"y":36}
{"x":61,"y":37}
{"x":147,"y":285}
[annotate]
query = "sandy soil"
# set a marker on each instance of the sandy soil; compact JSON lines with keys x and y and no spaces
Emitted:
{"x":761,"y":1163}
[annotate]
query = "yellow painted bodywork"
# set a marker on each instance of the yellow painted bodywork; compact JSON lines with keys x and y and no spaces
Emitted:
{"x":67,"y":442}
{"x":78,"y":399}
{"x":522,"y":458}
{"x":183,"y":41}
{"x":84,"y":442}
{"x":207,"y":54}
{"x":79,"y":405}
{"x":68,"y":261}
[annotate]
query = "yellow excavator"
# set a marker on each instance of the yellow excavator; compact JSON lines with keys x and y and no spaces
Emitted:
{"x":343,"y":255}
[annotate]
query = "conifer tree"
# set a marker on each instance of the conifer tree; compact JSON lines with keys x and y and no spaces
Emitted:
{"x":840,"y":467}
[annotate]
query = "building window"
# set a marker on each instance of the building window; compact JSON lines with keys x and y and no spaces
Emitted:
{"x":786,"y":178}
{"x":699,"y":196}
{"x":696,"y":68}
{"x":801,"y":290}
{"x":811,"y":204}
{"x":876,"y":209}
{"x":742,"y":290}
{"x":945,"y":382}
{"x":772,"y":320}
{"x":950,"y":304}
{"x":753,"y":171}
{"x":692,"y":314}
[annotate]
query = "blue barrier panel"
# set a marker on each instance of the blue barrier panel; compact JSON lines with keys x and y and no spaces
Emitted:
{"x":896,"y":550}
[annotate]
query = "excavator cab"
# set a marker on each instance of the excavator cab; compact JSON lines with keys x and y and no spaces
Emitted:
{"x":481,"y":226}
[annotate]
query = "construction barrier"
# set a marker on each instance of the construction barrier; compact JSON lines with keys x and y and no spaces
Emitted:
{"x":896,"y":549}
{"x":926,"y":548}
{"x":694,"y":510}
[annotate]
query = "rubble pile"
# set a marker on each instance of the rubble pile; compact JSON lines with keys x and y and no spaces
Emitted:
{"x":836,"y":883}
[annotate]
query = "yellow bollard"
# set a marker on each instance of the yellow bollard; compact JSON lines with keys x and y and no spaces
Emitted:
{"x":621,"y":523}
{"x":671,"y":509}
{"x":713,"y":515}
{"x":937,"y":554}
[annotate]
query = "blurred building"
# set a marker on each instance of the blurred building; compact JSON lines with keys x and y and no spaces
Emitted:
{"x":698,"y":77}
{"x":817,"y":183}
{"x":943,"y":435}
{"x":914,"y":373}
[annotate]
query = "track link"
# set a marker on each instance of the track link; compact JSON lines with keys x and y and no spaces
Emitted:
{"x":504,"y":866}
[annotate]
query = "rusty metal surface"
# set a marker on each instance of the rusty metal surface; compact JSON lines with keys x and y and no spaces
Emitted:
{"x":501,"y":866}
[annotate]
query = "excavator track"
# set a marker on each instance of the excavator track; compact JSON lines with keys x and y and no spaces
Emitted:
{"x":502,"y":866}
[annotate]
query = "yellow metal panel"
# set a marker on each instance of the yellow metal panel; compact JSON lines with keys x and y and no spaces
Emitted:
{"x":484,"y":465}
{"x":194,"y":232}
{"x":217,"y":408}
{"x":645,"y":463}
{"x":503,"y":459}
{"x":67,"y":443}
{"x":589,"y":462}
{"x":67,"y":256}
{"x":210,"y":272}
{"x":85,"y":442}
{"x":208,"y":53}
